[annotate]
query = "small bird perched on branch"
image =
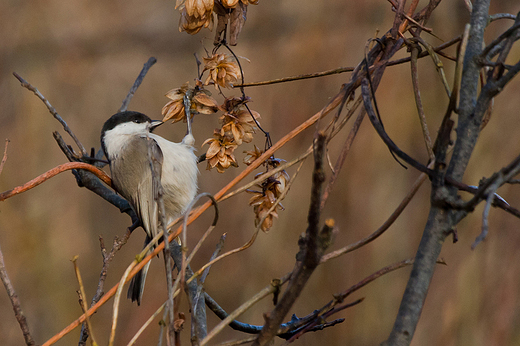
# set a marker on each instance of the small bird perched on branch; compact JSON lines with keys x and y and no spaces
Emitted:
{"x":133,"y":151}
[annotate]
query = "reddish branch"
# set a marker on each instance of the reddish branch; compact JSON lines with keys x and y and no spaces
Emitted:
{"x":53,"y":172}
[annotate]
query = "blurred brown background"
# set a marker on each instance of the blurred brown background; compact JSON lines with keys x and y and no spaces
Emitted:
{"x":84,"y":56}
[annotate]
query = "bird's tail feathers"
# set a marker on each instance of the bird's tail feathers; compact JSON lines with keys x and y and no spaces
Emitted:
{"x":136,"y":288}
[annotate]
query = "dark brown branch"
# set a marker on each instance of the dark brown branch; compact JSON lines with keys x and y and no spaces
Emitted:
{"x":365,"y":92}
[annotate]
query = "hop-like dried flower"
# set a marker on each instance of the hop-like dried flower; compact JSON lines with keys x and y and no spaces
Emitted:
{"x":262,"y":202}
{"x":271,"y":189}
{"x":220,"y":152}
{"x":174,"y":109}
{"x":280,"y":178}
{"x":195,"y":8}
{"x":229,"y":3}
{"x":241,"y":125}
{"x":223,"y":70}
{"x":193,"y":24}
{"x":252,"y":155}
{"x":200,"y":103}
{"x":233,"y":3}
{"x":237,"y":121}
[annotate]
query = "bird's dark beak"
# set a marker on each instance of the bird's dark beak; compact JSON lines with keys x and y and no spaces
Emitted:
{"x":154,"y":124}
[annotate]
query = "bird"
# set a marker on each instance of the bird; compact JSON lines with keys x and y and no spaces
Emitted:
{"x":127,"y":141}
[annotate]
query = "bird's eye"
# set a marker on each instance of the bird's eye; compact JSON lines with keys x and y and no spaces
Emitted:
{"x":136,"y":121}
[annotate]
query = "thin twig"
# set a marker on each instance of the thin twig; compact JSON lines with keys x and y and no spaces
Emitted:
{"x":208,"y":231}
{"x":340,"y":69}
{"x":331,"y":307}
{"x":15,"y":302}
{"x":439,"y":66}
{"x":407,"y":17}
{"x":365,"y":91}
{"x":83,"y":297}
{"x":53,"y":111}
{"x":4,"y":158}
{"x":418,"y":103}
{"x":117,"y":299}
{"x":137,"y":83}
{"x":299,"y":77}
{"x":218,"y":248}
{"x":267,"y":174}
{"x":343,"y":155}
{"x":485,"y":214}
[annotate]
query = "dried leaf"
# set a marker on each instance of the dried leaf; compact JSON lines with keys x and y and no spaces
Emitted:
{"x":236,"y":22}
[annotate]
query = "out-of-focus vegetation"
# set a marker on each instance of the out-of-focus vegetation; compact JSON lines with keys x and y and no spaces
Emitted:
{"x":84,"y":56}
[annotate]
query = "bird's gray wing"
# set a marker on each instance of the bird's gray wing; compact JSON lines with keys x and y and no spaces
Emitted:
{"x":139,"y":157}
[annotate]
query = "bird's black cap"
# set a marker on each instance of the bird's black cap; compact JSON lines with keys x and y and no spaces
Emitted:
{"x":124,"y":117}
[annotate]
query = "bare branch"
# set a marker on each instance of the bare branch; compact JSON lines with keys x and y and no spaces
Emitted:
{"x":53,"y":111}
{"x":4,"y":158}
{"x":299,"y":77}
{"x":83,"y":296}
{"x":15,"y":302}
{"x":137,"y":83}
{"x":418,"y":102}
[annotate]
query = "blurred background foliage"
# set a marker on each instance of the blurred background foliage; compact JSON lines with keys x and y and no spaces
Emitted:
{"x":84,"y":56}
